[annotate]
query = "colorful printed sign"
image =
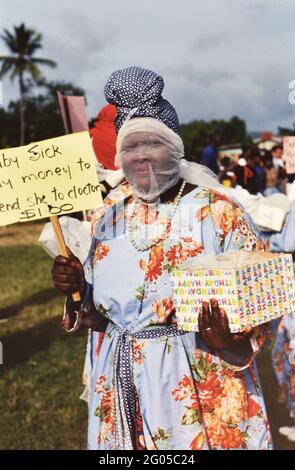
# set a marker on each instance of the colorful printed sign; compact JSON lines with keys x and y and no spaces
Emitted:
{"x":251,"y":295}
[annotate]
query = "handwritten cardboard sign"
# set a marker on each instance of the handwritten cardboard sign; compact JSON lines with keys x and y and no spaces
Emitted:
{"x":289,"y":153}
{"x":52,"y":177}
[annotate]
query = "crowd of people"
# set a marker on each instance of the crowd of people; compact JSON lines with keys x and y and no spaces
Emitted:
{"x":258,"y":171}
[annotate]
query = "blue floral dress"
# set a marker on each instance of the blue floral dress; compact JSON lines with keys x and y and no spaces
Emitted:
{"x":283,"y":359}
{"x":169,"y":388}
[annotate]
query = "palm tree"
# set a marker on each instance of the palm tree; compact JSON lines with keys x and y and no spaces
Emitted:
{"x":23,"y":43}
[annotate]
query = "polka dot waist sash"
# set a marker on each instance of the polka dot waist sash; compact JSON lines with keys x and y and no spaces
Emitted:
{"x":123,"y":382}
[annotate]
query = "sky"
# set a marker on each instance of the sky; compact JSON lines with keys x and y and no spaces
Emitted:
{"x":218,"y":58}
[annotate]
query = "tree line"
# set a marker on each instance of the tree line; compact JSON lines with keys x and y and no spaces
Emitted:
{"x":35,"y":115}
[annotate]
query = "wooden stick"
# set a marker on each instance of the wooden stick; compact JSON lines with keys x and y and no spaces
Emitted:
{"x":62,"y":246}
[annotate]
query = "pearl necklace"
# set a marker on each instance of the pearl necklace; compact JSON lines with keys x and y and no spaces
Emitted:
{"x":144,"y":246}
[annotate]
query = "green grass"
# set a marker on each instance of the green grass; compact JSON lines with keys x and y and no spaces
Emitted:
{"x":278,"y":414}
{"x":40,"y":380}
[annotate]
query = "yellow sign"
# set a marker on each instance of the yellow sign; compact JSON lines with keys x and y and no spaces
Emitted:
{"x":52,"y":177}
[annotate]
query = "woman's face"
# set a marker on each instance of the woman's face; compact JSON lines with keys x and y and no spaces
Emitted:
{"x":143,"y":156}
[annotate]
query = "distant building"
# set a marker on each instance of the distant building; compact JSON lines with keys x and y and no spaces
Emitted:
{"x":233,"y":151}
{"x":266,"y":140}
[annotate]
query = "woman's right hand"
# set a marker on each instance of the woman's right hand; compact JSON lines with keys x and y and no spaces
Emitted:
{"x":68,"y":274}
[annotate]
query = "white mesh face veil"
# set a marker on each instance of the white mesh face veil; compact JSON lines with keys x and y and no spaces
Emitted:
{"x":149,"y":154}
{"x":151,"y":157}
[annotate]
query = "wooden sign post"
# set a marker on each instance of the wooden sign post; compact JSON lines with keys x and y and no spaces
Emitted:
{"x":62,"y":246}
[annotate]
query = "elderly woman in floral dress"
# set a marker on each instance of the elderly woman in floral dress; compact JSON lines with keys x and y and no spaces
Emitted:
{"x":152,"y":385}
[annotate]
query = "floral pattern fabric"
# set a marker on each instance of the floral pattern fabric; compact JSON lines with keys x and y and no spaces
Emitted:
{"x":188,"y":396}
{"x":283,"y":359}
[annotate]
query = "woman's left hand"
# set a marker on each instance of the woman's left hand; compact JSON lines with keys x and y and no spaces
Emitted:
{"x":215,"y":332}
